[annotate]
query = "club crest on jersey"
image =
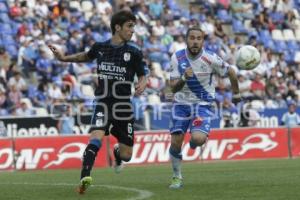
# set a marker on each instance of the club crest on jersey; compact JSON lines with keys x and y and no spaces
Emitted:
{"x":126,"y":56}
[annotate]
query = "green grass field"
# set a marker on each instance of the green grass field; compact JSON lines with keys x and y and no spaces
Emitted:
{"x":264,"y":179}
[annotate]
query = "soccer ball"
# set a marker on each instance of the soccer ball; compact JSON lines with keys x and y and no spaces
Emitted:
{"x":247,"y":57}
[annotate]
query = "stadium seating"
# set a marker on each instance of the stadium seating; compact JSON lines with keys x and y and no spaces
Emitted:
{"x":277,"y":34}
{"x":223,"y":16}
{"x":288,"y":34}
{"x":238,"y":27}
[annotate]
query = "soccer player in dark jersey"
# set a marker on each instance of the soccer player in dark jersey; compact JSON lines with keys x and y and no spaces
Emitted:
{"x":117,"y":63}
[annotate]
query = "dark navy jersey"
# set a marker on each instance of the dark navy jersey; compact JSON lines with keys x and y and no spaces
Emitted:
{"x":116,"y":68}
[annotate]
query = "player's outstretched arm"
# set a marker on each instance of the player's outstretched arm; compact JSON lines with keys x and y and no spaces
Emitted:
{"x":78,"y":57}
{"x":236,"y":98}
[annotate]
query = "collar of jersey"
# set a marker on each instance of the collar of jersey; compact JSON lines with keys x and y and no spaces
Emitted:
{"x":114,"y":45}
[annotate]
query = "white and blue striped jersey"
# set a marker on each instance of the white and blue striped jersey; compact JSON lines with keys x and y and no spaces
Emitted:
{"x":201,"y":87}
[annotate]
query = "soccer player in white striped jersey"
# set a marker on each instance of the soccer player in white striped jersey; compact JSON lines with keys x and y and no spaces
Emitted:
{"x":192,"y":73}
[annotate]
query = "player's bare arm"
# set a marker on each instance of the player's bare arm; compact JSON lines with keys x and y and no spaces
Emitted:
{"x":78,"y":57}
{"x":234,"y":85}
{"x":177,"y":84}
{"x":141,"y":85}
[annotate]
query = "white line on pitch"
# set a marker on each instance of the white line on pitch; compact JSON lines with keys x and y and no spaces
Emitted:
{"x":142,"y":194}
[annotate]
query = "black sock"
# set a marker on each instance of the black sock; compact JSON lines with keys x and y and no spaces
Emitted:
{"x":117,"y":156}
{"x":89,"y":156}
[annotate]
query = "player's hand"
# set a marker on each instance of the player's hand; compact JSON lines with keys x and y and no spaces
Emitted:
{"x":140,"y":87}
{"x":237,"y":98}
{"x":57,"y":53}
{"x":188,"y":73}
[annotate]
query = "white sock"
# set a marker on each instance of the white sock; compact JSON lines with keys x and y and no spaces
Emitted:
{"x":176,"y":164}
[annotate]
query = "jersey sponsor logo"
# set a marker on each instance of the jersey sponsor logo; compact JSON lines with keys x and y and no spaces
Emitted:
{"x":110,"y":67}
{"x":127,"y":56}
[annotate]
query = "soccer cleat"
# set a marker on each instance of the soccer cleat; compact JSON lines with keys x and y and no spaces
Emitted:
{"x":85,"y":182}
{"x":118,"y":162}
{"x":176,"y":183}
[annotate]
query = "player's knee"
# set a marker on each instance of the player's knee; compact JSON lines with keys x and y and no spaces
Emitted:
{"x":125,"y":157}
{"x":198,"y":138}
{"x":97,"y":134}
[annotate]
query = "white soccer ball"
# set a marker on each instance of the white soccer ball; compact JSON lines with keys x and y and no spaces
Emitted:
{"x":247,"y":57}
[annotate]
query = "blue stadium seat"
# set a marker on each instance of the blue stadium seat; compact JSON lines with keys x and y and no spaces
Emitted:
{"x":264,"y":36}
{"x":12,"y":50}
{"x":5,"y":28}
{"x":289,"y":57}
{"x":223,"y":16}
{"x":269,"y":44}
{"x":238,"y":27}
{"x":280,"y":46}
{"x":4,"y":18}
{"x":8,"y":39}
{"x":292,"y":45}
{"x":3,"y":7}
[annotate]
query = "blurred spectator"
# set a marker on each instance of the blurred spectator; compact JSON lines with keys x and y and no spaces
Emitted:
{"x":158,"y":29}
{"x":154,"y":83}
{"x":156,"y":51}
{"x":15,"y":95}
{"x":218,"y":31}
{"x":5,"y":104}
{"x":5,"y":61}
{"x":229,"y":114}
{"x":103,"y":7}
{"x":178,"y":44}
{"x":18,"y":81}
{"x":24,"y":110}
{"x":40,"y":97}
{"x":66,"y":122}
{"x":258,"y":87}
{"x":54,"y":91}
{"x":208,"y":26}
{"x":291,"y":118}
{"x":241,"y":10}
{"x":245,"y":86}
{"x":222,"y":93}
{"x":155,"y":9}
{"x":272,"y":87}
{"x":141,"y":29}
{"x":44,"y":66}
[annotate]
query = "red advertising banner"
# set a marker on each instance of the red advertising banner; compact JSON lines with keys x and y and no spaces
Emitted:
{"x":50,"y":153}
{"x":6,"y":154}
{"x":295,"y":142}
{"x":62,"y":152}
{"x":222,"y":145}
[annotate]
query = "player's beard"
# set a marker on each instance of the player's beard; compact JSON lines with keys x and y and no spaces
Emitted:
{"x":194,"y":50}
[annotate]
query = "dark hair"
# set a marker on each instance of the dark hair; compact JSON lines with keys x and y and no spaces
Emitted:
{"x":121,"y":18}
{"x":194,"y":28}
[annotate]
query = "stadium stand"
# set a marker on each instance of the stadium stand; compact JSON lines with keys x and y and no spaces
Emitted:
{"x":28,"y":26}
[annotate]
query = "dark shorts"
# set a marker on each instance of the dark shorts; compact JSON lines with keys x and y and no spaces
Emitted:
{"x":114,"y":117}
